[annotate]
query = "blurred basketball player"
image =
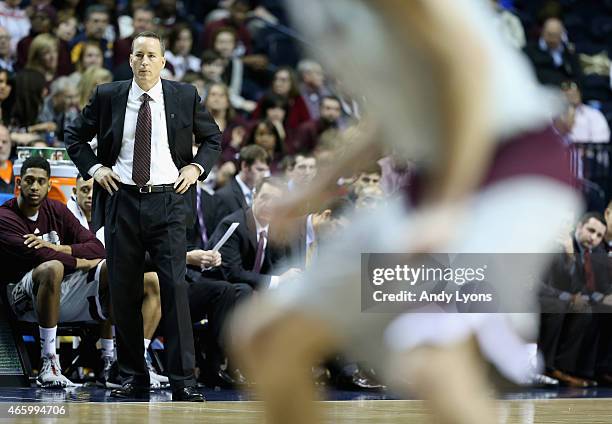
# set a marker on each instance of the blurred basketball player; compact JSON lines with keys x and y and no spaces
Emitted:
{"x":446,"y":93}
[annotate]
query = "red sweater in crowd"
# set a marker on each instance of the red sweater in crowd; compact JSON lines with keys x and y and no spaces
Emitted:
{"x":56,"y":224}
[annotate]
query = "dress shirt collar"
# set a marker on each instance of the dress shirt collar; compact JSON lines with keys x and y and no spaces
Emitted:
{"x":543,"y":46}
{"x":245,"y":188}
{"x":260,"y":228}
{"x":156,"y":93}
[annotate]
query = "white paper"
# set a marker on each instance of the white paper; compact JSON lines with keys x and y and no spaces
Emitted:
{"x":226,"y":236}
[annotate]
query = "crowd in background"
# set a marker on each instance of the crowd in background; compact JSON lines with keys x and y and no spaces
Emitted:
{"x":281,"y":115}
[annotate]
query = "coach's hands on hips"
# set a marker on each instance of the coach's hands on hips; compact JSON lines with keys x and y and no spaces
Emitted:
{"x":187,"y":176}
{"x":107,"y":179}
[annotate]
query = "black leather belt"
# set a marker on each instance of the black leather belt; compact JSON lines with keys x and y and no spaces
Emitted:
{"x":161,"y":188}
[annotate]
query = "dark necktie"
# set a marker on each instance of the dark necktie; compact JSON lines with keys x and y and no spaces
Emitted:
{"x":259,"y":256}
{"x":141,"y":165}
{"x":588,"y":272}
{"x":201,"y":222}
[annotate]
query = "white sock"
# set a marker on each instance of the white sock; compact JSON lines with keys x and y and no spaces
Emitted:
{"x":147,"y":342}
{"x":47,"y":340}
{"x":114,"y":344}
{"x":108,"y":347}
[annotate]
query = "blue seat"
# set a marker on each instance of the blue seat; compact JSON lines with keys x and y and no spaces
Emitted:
{"x":5,"y":196}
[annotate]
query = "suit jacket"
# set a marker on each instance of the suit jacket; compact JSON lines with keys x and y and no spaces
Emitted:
{"x":566,"y":274}
{"x":104,"y":117}
{"x":238,"y":253}
{"x":229,"y":199}
{"x":208,"y":204}
{"x":546,"y":70}
{"x":600,"y":267}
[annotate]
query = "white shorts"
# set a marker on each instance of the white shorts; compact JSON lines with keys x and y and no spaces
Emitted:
{"x":513,"y":216}
{"x":79,"y":297}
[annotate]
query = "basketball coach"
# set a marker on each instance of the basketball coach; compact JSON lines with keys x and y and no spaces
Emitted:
{"x":144,"y":171}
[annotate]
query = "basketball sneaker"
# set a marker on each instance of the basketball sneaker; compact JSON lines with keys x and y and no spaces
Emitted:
{"x":50,"y":375}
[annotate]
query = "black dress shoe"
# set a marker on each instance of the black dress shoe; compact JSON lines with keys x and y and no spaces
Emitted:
{"x":220,"y":379}
{"x":604,"y":380}
{"x":359,"y":380}
{"x":239,"y":378}
{"x":129,"y":391}
{"x":187,"y":394}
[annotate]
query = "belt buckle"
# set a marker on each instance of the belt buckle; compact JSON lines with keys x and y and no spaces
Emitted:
{"x":145,"y":189}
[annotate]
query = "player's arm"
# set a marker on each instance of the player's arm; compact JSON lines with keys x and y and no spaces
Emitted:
{"x":462,"y":75}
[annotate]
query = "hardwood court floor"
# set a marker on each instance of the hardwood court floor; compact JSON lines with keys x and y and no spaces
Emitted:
{"x":558,"y":411}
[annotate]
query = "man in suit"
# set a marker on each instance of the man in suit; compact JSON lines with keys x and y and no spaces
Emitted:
{"x":552,"y":57}
{"x":143,"y":172}
{"x":238,"y":192}
{"x":209,"y":296}
{"x":250,"y":255}
{"x":577,"y":284}
{"x":316,"y":227}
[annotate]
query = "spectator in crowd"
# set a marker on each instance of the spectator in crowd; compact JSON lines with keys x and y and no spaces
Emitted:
{"x":66,"y":28}
{"x":274,"y":109}
{"x":238,"y":192}
{"x":224,"y":43}
{"x":236,"y":21}
{"x":168,"y":14}
{"x":43,"y":245}
{"x":180,"y":44}
{"x":30,"y":92}
{"x":581,"y":123}
{"x":41,"y":24}
{"x":7,"y":58}
{"x":217,"y":102}
{"x":91,"y":55}
{"x":62,"y":102}
{"x":308,"y":134}
{"x":552,"y":56}
{"x":312,"y":87}
{"x":509,"y":25}
{"x":249,"y":255}
{"x":89,"y":81}
{"x":96,"y":20}
{"x":143,"y":21}
{"x":303,"y":171}
{"x":43,"y":56}
{"x":265,"y":134}
{"x":285,"y":168}
{"x":15,"y":20}
{"x":285,"y":85}
{"x":212,"y":66}
{"x":7,"y":179}
{"x":7,"y":96}
{"x":365,"y":179}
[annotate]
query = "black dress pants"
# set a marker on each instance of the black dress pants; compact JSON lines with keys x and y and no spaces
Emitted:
{"x":155,"y":223}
